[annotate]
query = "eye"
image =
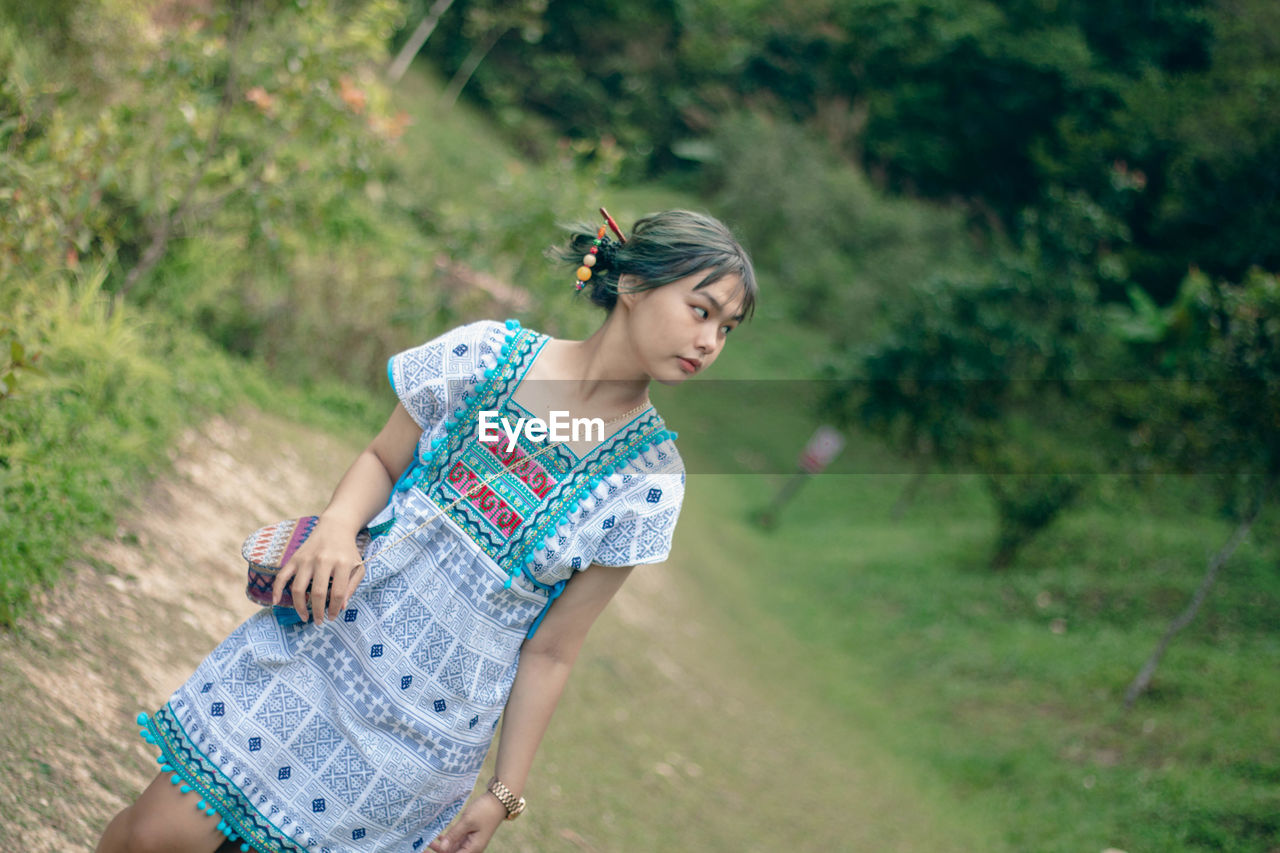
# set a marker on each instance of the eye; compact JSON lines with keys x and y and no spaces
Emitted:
{"x":728,"y":329}
{"x":705,"y":313}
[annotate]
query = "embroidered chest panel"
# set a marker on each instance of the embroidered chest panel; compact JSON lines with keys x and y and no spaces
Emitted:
{"x":508,"y":513}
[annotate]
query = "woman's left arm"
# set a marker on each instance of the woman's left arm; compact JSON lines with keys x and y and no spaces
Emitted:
{"x":545,"y":662}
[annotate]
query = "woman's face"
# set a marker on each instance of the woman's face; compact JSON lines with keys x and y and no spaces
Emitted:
{"x":678,"y":331}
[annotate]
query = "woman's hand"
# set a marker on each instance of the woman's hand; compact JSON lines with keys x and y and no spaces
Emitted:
{"x":330,"y":553}
{"x":471,"y":831}
{"x":328,"y":556}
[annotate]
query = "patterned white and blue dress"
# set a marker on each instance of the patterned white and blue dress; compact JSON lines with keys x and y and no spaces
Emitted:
{"x":368,"y":733}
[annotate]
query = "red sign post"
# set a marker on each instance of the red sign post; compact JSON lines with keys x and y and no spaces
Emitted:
{"x":824,"y":445}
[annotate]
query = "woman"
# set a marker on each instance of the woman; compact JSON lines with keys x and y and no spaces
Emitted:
{"x":362,"y":723}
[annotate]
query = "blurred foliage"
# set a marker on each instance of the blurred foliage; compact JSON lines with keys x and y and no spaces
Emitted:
{"x":835,"y":250}
{"x":1212,"y":403}
{"x":230,"y":179}
{"x":988,"y":373}
{"x":168,"y":168}
{"x":991,"y":103}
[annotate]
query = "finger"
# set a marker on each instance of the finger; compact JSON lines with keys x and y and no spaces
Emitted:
{"x":299,"y":588}
{"x":337,"y":590}
{"x":356,"y":576}
{"x":319,"y":594}
{"x":278,"y":585}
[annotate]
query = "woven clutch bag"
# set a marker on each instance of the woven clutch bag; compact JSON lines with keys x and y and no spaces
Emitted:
{"x":268,"y":549}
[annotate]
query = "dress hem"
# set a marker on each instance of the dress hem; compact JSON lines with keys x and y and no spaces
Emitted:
{"x":194,"y":772}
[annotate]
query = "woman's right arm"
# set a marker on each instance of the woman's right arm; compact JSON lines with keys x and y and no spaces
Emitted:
{"x":330,"y":551}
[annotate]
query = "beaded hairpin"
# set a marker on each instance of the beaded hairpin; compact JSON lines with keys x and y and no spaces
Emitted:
{"x":590,"y":259}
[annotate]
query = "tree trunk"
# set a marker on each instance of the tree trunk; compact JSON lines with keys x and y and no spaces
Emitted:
{"x":450,"y":95}
{"x":420,"y":35}
{"x":909,"y":492}
{"x":1143,"y":679}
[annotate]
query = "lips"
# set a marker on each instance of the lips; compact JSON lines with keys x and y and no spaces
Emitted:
{"x":689,"y":365}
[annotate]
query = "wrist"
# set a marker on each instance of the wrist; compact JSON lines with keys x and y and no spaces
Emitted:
{"x":512,"y":806}
{"x":340,"y":522}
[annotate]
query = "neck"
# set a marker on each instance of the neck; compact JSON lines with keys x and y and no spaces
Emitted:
{"x":602,"y":367}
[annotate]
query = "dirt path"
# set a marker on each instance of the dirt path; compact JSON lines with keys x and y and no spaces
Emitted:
{"x":131,"y":624}
{"x":665,"y":739}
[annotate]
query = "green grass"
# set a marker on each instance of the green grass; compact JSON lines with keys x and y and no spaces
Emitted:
{"x":1006,"y":686}
{"x":1009,"y":686}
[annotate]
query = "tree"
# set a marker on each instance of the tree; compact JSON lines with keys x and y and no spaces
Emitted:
{"x":981,"y":374}
{"x":1217,"y":410}
{"x":416,"y":40}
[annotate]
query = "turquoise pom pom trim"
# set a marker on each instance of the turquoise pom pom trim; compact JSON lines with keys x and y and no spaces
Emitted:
{"x":513,"y":324}
{"x":203,"y":805}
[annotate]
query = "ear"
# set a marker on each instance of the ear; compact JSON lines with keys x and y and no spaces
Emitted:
{"x":626,"y":295}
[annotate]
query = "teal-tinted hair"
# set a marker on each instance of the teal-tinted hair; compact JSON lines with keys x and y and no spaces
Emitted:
{"x":662,"y":248}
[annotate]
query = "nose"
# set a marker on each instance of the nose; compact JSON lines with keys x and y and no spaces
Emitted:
{"x":707,"y":339}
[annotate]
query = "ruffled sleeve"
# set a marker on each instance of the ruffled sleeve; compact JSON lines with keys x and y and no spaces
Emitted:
{"x":644,"y":519}
{"x":432,"y":377}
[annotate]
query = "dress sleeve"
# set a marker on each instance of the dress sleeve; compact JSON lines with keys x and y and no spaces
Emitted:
{"x":644,"y":520}
{"x":431,"y":377}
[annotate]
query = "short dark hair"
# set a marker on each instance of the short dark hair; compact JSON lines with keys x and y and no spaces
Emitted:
{"x":662,"y":248}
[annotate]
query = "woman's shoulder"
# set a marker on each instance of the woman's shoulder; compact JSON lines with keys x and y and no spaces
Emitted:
{"x":657,"y":458}
{"x":467,"y":340}
{"x":494,"y":332}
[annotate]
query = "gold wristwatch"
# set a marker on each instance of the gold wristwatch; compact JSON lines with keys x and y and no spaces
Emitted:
{"x":513,"y":804}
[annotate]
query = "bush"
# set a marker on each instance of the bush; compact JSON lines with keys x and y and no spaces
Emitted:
{"x":116,"y":386}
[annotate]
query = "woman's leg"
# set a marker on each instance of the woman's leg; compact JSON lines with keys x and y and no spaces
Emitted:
{"x":163,"y":820}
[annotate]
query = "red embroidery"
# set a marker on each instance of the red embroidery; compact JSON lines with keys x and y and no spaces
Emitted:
{"x":486,"y":500}
{"x":526,"y":468}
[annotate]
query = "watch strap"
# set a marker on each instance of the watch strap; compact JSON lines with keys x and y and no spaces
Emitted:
{"x":513,"y":804}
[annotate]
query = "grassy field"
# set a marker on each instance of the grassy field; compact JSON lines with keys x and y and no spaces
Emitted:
{"x":1007,"y":686}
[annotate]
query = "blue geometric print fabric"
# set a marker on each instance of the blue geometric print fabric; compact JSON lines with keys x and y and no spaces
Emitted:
{"x":368,"y":733}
